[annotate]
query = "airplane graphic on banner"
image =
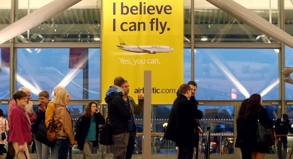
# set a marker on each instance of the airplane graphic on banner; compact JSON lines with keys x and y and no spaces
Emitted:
{"x":151,"y":49}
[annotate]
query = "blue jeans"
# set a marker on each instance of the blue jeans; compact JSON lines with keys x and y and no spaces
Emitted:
{"x":62,"y":145}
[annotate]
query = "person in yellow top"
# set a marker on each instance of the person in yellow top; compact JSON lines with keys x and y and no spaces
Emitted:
{"x":49,"y":116}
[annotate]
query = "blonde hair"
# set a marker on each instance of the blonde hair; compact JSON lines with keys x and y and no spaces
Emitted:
{"x":60,"y":98}
{"x":25,"y":89}
{"x":57,"y":89}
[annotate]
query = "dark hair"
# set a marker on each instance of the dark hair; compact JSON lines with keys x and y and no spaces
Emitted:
{"x":253,"y":105}
{"x":44,"y":94}
{"x":1,"y":112}
{"x":192,"y":83}
{"x":119,"y":81}
{"x":183,"y":88}
{"x":87,"y":111}
{"x":242,"y":109}
{"x":19,"y":95}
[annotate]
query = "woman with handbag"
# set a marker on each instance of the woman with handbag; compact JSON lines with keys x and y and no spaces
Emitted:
{"x":63,"y":124}
{"x":256,"y":114}
{"x":3,"y":129}
{"x":19,"y":124}
{"x":87,"y":129}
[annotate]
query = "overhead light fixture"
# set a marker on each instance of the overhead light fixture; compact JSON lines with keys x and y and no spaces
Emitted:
{"x":37,"y":38}
{"x":204,"y":38}
{"x":97,"y":39}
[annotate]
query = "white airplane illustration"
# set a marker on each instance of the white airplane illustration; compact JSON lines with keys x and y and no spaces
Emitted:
{"x":152,"y":49}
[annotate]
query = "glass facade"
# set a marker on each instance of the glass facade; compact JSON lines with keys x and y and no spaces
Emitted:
{"x":229,"y":60}
{"x":4,"y":73}
{"x":231,"y":74}
{"x":79,"y":23}
{"x":77,"y":69}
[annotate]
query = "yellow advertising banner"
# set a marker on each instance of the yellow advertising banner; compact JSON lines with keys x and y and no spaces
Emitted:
{"x":142,"y":35}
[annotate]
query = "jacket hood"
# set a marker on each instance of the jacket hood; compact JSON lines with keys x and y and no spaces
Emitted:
{"x":112,"y":91}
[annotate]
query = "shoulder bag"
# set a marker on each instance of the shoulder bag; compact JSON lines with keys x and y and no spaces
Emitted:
{"x":51,"y":133}
{"x":42,"y":135}
{"x":106,"y":134}
{"x":265,"y":136}
{"x":3,"y":135}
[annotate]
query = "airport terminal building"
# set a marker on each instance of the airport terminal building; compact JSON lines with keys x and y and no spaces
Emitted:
{"x":230,"y":48}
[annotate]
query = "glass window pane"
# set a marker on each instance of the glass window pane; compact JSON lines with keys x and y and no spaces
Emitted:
{"x":272,"y":111}
{"x":220,"y":120}
{"x":187,"y":65}
{"x":288,"y":20}
{"x":226,"y":74}
{"x":215,"y":25}
{"x":5,"y":8}
{"x":4,"y":107}
{"x":4,"y":73}
{"x":79,"y":23}
{"x":43,"y":69}
{"x":288,"y":63}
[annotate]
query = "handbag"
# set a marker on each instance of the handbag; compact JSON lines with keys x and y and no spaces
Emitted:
{"x":106,"y":134}
{"x":11,"y":150}
{"x":42,"y":135}
{"x":16,"y":157}
{"x":265,"y":136}
{"x":3,"y":135}
{"x":51,"y":133}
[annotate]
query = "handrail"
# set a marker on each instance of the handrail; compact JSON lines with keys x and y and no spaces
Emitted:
{"x":160,"y":134}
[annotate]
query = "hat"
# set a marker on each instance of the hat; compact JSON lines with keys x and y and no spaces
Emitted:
{"x":285,"y":116}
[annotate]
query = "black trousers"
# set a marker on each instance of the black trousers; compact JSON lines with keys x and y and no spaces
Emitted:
{"x":185,"y":153}
{"x":130,"y":146}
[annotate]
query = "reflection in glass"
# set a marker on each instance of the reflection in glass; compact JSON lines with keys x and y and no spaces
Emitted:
{"x":4,"y":108}
{"x":72,"y":25}
{"x":288,"y":63}
{"x":5,"y":8}
{"x":43,"y":69}
{"x":4,"y":73}
{"x":213,"y":25}
{"x":225,"y":74}
{"x":272,"y":111}
{"x":187,"y":65}
{"x":75,"y":111}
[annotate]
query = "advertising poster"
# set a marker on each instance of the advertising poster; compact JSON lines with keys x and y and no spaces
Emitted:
{"x":143,"y":35}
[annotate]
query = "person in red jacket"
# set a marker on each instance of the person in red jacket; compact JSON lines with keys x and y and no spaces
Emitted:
{"x":19,"y":126}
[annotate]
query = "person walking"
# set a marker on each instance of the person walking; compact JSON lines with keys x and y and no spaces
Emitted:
{"x":19,"y":126}
{"x":135,"y":109}
{"x":87,"y":131}
{"x":181,"y":125}
{"x":118,"y":115}
{"x":255,"y":113}
{"x":282,"y":127}
{"x":241,"y":131}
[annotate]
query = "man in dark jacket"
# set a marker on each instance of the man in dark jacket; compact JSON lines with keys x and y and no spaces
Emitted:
{"x":197,"y":113}
{"x":119,"y":115}
{"x":135,"y":109}
{"x":181,"y":125}
{"x":282,"y":127}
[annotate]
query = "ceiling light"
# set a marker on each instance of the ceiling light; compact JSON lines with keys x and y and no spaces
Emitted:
{"x":97,"y":39}
{"x":204,"y":38}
